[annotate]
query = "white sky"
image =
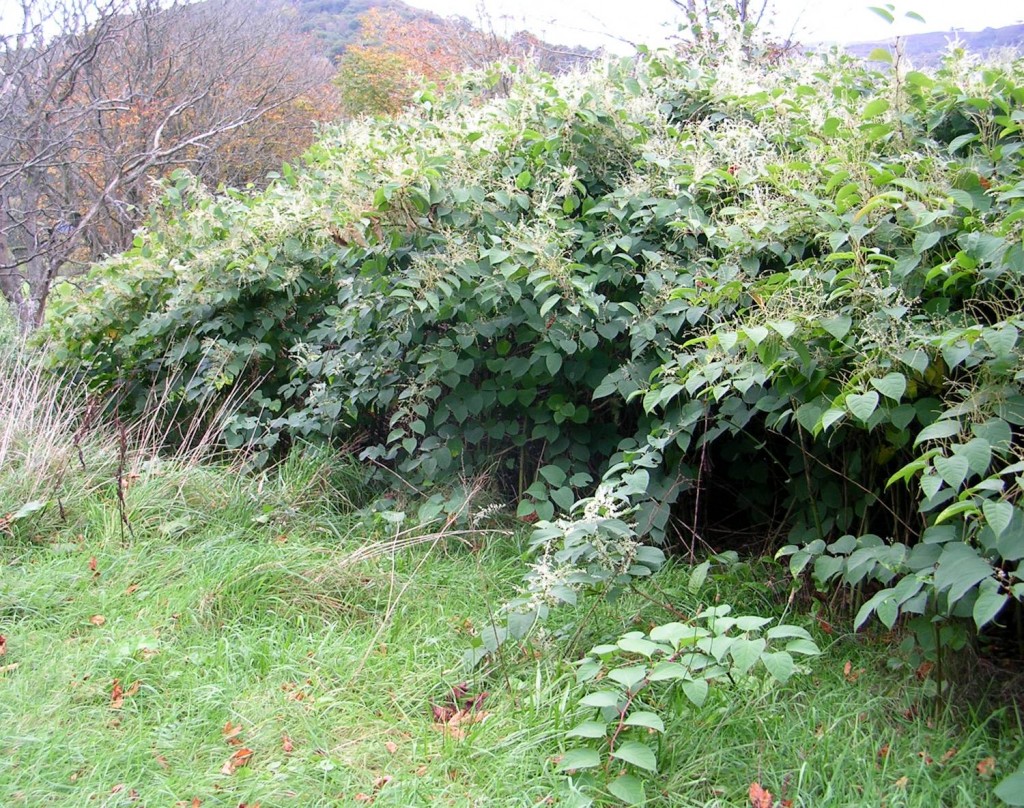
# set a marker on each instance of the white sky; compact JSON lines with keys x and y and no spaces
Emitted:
{"x":583,"y":21}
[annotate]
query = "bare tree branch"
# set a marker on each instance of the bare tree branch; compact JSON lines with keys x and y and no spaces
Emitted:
{"x":97,"y":95}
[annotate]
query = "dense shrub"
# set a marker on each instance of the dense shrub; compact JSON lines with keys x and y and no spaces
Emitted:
{"x":796,"y":286}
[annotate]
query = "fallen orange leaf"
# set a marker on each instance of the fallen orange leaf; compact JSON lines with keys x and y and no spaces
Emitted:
{"x":3,"y":645}
{"x":391,"y":746}
{"x":361,"y":797}
{"x":987,"y":767}
{"x":117,"y":696}
{"x":286,"y":744}
{"x":97,"y":620}
{"x":240,"y":758}
{"x":902,"y":782}
{"x":947,"y":756}
{"x":759,"y":798}
{"x":92,"y":565}
{"x":230,"y":733}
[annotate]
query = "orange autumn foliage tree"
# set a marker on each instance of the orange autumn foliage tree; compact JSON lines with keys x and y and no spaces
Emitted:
{"x":128,"y":91}
{"x":395,"y":55}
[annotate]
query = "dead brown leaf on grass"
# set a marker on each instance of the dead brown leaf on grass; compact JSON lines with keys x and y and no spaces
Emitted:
{"x":231,"y":733}
{"x":238,"y":759}
{"x":759,"y":798}
{"x":451,"y":721}
{"x":987,"y":767}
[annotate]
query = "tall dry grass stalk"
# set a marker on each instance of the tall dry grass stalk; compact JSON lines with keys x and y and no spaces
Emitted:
{"x":43,"y":430}
{"x":57,"y":444}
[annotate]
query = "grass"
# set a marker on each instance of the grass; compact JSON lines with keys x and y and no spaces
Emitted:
{"x":266,"y":613}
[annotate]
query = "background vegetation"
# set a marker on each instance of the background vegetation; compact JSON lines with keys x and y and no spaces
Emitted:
{"x":665,"y":309}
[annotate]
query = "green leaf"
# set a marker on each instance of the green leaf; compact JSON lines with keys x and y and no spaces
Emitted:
{"x":628,"y":677}
{"x":602,"y":698}
{"x":697,"y":577}
{"x":587,"y":670}
{"x":645,"y":718}
{"x":805,"y":647}
{"x":874,"y":108}
{"x":831,"y":415}
{"x":892,"y":385}
{"x":579,"y":759}
{"x":953,"y":470}
{"x":1011,"y":790}
{"x":785,"y":328}
{"x":869,"y":607}
{"x":888,"y":610}
{"x":745,"y":653}
{"x":554,"y":363}
{"x":938,"y":431}
{"x":989,"y":603}
{"x":629,"y":789}
{"x":28,"y":509}
{"x":880,"y":55}
{"x":520,"y":623}
{"x":959,"y":569}
{"x":750,"y":622}
{"x":883,"y":13}
{"x":998,"y":515}
{"x":563,"y":498}
{"x":780,"y":665}
{"x":839,"y":326}
{"x":978,"y":453}
{"x":588,"y":729}
{"x":523,"y":180}
{"x":639,"y":754}
{"x":957,"y":509}
{"x":696,"y":691}
{"x":756,"y":333}
{"x":783,"y":631}
{"x":638,"y":645}
{"x":862,"y":406}
{"x":666,"y":671}
{"x":553,"y":474}
{"x":996,"y":431}
{"x":672,"y":633}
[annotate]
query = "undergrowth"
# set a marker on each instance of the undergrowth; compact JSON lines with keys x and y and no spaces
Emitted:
{"x":265,"y":638}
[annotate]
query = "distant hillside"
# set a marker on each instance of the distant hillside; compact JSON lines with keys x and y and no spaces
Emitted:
{"x":335,"y":24}
{"x":928,"y":48}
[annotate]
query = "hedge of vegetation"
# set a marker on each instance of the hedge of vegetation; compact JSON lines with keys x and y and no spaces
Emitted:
{"x":788,"y":292}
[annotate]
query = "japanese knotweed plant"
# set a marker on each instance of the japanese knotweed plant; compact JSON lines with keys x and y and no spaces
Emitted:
{"x":629,"y":682}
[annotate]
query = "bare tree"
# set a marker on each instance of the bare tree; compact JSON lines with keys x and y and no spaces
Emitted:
{"x":705,"y":11}
{"x":99,"y":96}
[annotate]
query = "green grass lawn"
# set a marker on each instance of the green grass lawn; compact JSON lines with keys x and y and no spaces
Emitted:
{"x":239,"y":629}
